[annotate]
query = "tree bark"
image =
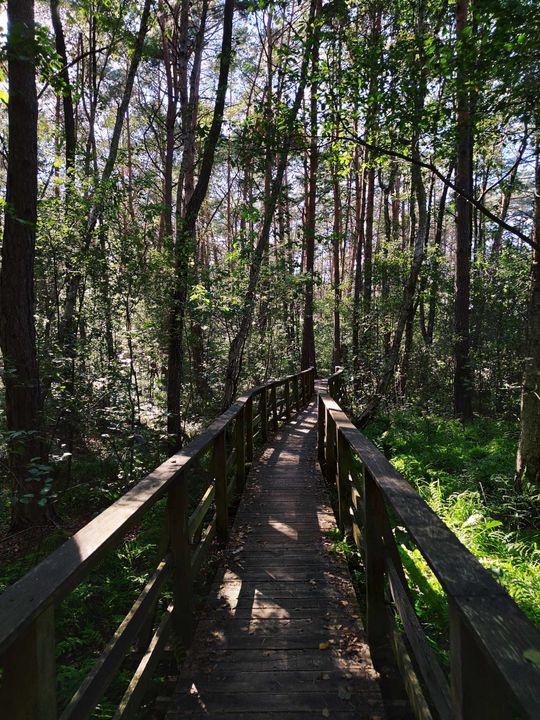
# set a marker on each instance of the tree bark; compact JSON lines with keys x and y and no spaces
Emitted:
{"x":528,"y":454}
{"x":186,"y":236}
{"x":17,"y":329}
{"x":67,"y":97}
{"x":463,"y":378}
{"x":234,"y":362}
{"x":308,"y":331}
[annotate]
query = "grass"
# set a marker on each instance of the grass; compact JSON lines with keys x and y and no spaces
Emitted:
{"x":465,"y":475}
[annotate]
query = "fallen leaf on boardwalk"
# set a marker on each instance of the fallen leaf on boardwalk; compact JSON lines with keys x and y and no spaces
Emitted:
{"x":312,"y":582}
{"x":344,"y":693}
{"x":343,"y":603}
{"x":324,"y":646}
{"x":325,"y":676}
{"x":326,"y":712}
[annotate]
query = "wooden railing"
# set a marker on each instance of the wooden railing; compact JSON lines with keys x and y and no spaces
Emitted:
{"x":494,"y":650}
{"x":27,"y":608}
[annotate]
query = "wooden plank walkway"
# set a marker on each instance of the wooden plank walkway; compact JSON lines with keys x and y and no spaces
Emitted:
{"x":280,"y":636}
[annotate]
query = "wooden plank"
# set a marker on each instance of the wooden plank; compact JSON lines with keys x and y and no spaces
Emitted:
{"x":202,"y":551}
{"x":410,"y":680}
{"x":296,"y":394}
{"x":28,"y":678}
{"x":240,"y":443}
{"x":99,"y":678}
{"x":343,"y":482}
{"x":264,"y":416}
{"x":476,"y":685}
{"x":180,"y":550}
{"x":273,"y":403}
{"x":197,"y":516}
{"x":220,"y":475}
{"x":321,"y":433}
{"x":138,"y":686}
{"x":376,"y":617}
{"x":426,"y":660}
{"x":248,"y":415}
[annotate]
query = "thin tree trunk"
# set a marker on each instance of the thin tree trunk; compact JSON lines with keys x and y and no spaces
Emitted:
{"x":463,"y":379}
{"x":186,"y":236}
{"x":67,"y":97}
{"x":237,"y":345}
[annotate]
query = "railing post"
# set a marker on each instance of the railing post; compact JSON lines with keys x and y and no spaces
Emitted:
{"x":249,"y":430}
{"x":475,"y":691}
{"x":287,"y":401}
{"x":321,"y":431}
{"x":263,"y":411}
{"x":178,"y":523}
{"x":376,"y":615}
{"x":303,"y":387}
{"x":331,"y":465}
{"x":273,"y":400}
{"x":220,"y":475}
{"x":296,"y":395}
{"x":240,"y":445}
{"x":28,"y":684}
{"x":343,"y":483}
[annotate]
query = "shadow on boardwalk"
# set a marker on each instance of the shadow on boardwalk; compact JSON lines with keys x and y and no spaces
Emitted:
{"x":280,"y":634}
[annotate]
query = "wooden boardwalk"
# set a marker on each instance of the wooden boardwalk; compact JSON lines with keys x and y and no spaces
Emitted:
{"x":280,"y":636}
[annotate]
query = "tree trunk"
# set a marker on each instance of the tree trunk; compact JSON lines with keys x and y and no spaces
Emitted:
{"x":186,"y":238}
{"x":17,"y":329}
{"x":308,"y":330}
{"x":236,"y":349}
{"x":463,"y":379}
{"x":336,"y":245}
{"x":528,"y":455}
{"x":67,"y":97}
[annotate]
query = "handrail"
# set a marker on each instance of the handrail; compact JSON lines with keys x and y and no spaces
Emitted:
{"x":27,"y":638}
{"x":493,"y":646}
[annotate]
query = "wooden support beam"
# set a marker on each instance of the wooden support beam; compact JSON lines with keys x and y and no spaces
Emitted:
{"x":377,"y":618}
{"x":248,"y":419}
{"x":264,"y":415}
{"x":180,"y":549}
{"x":273,"y":400}
{"x":240,"y":442}
{"x":475,"y":689}
{"x":220,"y":475}
{"x":28,"y":682}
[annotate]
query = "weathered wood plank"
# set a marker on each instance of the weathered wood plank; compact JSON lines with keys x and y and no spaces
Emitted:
{"x":98,"y":680}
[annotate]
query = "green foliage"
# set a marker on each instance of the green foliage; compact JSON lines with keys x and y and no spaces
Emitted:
{"x":465,"y":474}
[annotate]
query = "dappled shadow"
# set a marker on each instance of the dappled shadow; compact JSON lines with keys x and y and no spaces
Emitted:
{"x":281,"y":635}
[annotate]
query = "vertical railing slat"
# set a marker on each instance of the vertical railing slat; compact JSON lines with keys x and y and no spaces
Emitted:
{"x":178,"y":523}
{"x":220,"y":475}
{"x":28,"y":684}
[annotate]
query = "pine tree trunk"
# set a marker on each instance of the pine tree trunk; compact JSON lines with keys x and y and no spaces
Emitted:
{"x":528,"y":455}
{"x":308,"y":332}
{"x":17,"y":329}
{"x":463,"y":379}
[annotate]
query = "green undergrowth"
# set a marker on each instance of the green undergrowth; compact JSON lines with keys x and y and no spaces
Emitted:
{"x":465,"y":474}
{"x":87,"y":619}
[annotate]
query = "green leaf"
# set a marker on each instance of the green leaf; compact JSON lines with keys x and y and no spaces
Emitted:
{"x":532,"y":655}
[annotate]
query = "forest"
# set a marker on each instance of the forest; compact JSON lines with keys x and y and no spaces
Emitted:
{"x":199,"y":197}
